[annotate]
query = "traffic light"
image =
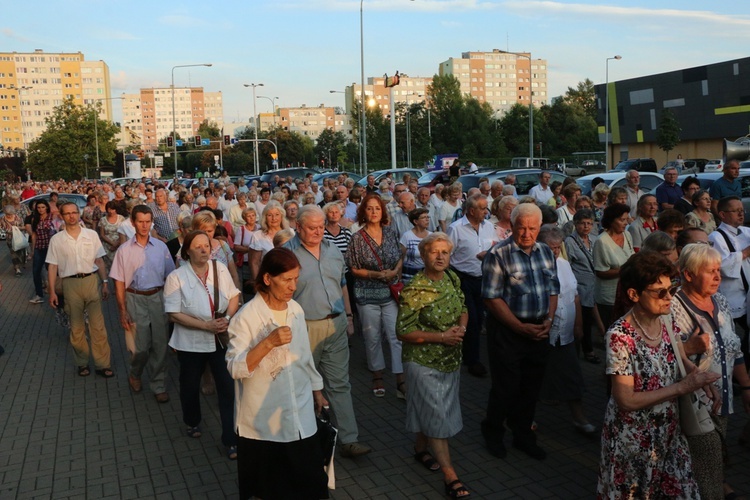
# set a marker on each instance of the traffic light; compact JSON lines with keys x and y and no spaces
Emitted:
{"x":170,"y":141}
{"x":197,"y":140}
{"x":227,"y":140}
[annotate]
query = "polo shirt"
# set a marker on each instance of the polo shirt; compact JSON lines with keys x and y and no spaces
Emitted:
{"x":666,"y":193}
{"x":142,"y":267}
{"x":721,"y":188}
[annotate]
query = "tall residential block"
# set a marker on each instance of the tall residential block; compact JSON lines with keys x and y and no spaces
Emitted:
{"x":149,"y":113}
{"x":32,"y":84}
{"x":410,"y":90}
{"x":500,"y":78}
{"x":308,"y":121}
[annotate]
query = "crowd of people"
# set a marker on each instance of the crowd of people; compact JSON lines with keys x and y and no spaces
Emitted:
{"x":259,"y":288}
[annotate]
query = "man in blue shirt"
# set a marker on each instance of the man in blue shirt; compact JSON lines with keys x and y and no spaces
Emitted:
{"x":520,"y":289}
{"x":727,"y":185}
{"x":668,"y":192}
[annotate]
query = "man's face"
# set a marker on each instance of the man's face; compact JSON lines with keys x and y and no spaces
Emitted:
{"x":397,"y":191}
{"x":406,"y":202}
{"x":670,"y":176}
{"x":732,"y":170}
{"x":477,"y":213}
{"x":525,"y":231}
{"x":734,"y":215}
{"x":161,"y":197}
{"x":142,"y":224}
{"x":484,"y":189}
{"x":311,"y":231}
{"x":634,"y":179}
{"x":544,"y":179}
{"x":371,"y":180}
{"x":423,"y":195}
{"x":342,"y":192}
{"x":70,"y":215}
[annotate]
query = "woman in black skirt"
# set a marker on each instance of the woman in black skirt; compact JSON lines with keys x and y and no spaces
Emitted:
{"x":278,"y":389}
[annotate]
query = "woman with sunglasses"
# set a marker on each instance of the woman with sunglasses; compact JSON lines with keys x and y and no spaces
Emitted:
{"x":644,"y":454}
{"x":705,"y":320}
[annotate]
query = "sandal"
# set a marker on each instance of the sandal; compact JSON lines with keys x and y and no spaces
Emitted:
{"x":454,"y":491}
{"x":105,"y":372}
{"x":194,"y":432}
{"x":83,"y":371}
{"x":400,"y":393}
{"x":592,"y":358}
{"x":427,"y":460}
{"x":378,"y":391}
{"x":232,"y":452}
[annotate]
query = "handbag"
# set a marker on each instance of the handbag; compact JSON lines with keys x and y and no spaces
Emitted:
{"x":20,"y":241}
{"x":239,"y":257}
{"x":221,"y":338}
{"x":395,"y":288}
{"x":327,"y":435}
{"x":695,"y":418}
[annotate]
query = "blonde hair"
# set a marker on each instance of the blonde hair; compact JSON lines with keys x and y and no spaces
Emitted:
{"x":600,"y":193}
{"x":204,"y":217}
{"x":281,"y":237}
{"x":273,"y":205}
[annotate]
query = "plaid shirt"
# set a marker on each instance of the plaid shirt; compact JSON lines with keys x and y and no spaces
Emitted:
{"x":165,"y":221}
{"x":44,"y":231}
{"x":524,"y":281}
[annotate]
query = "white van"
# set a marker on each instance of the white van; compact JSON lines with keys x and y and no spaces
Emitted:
{"x":526,"y":162}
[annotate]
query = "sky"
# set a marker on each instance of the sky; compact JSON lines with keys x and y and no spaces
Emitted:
{"x":302,"y":49}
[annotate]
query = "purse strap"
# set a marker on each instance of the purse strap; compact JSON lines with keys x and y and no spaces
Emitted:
{"x":216,"y":287}
{"x":366,"y":237}
{"x":675,"y":346}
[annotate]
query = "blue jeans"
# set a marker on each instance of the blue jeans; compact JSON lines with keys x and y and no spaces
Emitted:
{"x":40,"y":255}
{"x":192,"y":365}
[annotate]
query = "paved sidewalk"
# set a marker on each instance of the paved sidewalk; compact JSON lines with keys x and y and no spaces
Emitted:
{"x":63,"y":436}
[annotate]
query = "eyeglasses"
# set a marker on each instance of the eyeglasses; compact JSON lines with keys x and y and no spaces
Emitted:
{"x":709,"y":243}
{"x":662,"y":293}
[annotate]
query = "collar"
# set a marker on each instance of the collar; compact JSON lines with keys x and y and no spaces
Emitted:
{"x":515,"y":248}
{"x":734,"y":231}
{"x":265,"y":313}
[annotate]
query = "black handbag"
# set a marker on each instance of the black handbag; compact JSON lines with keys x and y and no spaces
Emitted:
{"x":327,"y":434}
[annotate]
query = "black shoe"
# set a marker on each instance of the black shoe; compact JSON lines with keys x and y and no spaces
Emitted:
{"x":497,"y":449}
{"x":478,"y":370}
{"x":531,"y":449}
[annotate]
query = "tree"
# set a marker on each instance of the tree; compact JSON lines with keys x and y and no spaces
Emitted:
{"x":331,"y":146}
{"x":668,"y":132}
{"x":583,"y":96}
{"x":209,"y":130}
{"x":67,"y":148}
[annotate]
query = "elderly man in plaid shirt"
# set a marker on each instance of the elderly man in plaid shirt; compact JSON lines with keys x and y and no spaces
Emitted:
{"x":165,"y":215}
{"x":520,"y":289}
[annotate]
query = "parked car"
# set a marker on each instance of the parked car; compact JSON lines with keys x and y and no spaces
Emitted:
{"x":433,"y":178}
{"x":699,"y":163}
{"x":649,"y":181}
{"x":526,"y":178}
{"x":294,"y":173}
{"x":593,"y":164}
{"x":526,"y":162}
{"x":684,"y":169}
{"x":714,"y":166}
{"x":639,"y":164}
{"x":708,"y":178}
{"x":572,"y":170}
{"x":78,"y":199}
{"x":398,"y":175}
{"x":334,"y":174}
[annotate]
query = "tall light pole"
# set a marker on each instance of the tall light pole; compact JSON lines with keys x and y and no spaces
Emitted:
{"x":174,"y":118}
{"x":20,"y":110}
{"x":255,"y":127}
{"x":273,"y":106}
{"x":96,"y":127}
{"x":606,"y":112}
{"x":363,"y":115}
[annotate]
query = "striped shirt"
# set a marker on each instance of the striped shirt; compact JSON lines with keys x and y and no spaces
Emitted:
{"x":524,"y":281}
{"x":341,"y":240}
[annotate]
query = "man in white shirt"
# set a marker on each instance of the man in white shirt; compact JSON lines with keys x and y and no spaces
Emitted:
{"x":314,"y":189}
{"x":424,"y":200}
{"x":473,"y":169}
{"x":472,"y":235}
{"x":75,"y":254}
{"x":400,"y":218}
{"x":633,"y":179}
{"x":732,"y":241}
{"x":228,"y":200}
{"x":541,"y":192}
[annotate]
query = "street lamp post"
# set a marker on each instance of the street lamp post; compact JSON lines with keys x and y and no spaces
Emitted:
{"x":273,"y":106}
{"x":255,"y":127}
{"x":174,"y":117}
{"x":363,"y":115}
{"x":606,"y":108}
{"x":96,"y":128}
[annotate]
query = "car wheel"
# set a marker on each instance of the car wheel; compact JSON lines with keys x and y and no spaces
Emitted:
{"x":583,"y":172}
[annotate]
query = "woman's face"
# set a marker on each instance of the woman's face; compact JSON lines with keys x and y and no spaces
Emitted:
{"x":334,"y":215}
{"x":690,"y":191}
{"x":422,"y":222}
{"x":453,"y":195}
{"x":41,"y":208}
{"x":583,"y":227}
{"x":373,"y":211}
{"x":200,"y":250}
{"x":649,"y":297}
{"x":620,"y":223}
{"x":622,"y":198}
{"x":273,"y":219}
{"x":251,"y":218}
{"x":704,"y":201}
{"x":706,"y":281}
{"x":111,"y":211}
{"x":437,"y":257}
{"x":209,"y":229}
{"x":282,"y":287}
{"x":555,"y":246}
{"x":583,"y":205}
{"x":506,"y":211}
{"x":573,"y":199}
{"x":649,"y":208}
{"x":291,"y":212}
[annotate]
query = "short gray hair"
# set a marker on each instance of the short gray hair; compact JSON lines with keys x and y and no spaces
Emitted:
{"x":697,"y":255}
{"x":307,"y":211}
{"x":526,"y":210}
{"x":551,"y":234}
{"x":430,"y":239}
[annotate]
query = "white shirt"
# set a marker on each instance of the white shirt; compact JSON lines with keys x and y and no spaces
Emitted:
{"x":75,"y":255}
{"x":226,"y":205}
{"x":541,"y":194}
{"x":732,"y":264}
{"x":563,"y":216}
{"x":184,"y":293}
{"x":633,"y":197}
{"x":565,"y":314}
{"x":243,"y":236}
{"x":467,"y":243}
{"x":259,"y":207}
{"x":274,"y":402}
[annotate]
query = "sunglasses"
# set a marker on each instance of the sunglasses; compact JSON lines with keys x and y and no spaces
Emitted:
{"x":662,"y":293}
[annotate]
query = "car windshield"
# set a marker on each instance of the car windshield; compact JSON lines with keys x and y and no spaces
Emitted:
{"x":585,"y":185}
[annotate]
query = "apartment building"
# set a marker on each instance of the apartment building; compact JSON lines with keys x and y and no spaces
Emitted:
{"x":308,"y":121}
{"x":149,"y":113}
{"x":32,"y":84}
{"x":410,"y":90}
{"x":500,"y":78}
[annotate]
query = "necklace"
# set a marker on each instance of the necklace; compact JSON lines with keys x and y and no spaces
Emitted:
{"x":643,"y":330}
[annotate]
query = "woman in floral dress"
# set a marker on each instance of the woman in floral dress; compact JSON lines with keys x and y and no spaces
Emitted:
{"x":644,"y":453}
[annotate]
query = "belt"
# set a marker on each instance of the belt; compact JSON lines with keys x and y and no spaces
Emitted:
{"x":150,"y":291}
{"x":534,"y":321}
{"x":79,"y":275}
{"x":330,"y":316}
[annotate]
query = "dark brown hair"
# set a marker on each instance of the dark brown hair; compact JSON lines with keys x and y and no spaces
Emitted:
{"x":361,"y":210}
{"x":189,"y":241}
{"x":277,"y":261}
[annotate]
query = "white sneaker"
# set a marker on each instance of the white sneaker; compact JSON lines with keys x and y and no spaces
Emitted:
{"x":37,"y":300}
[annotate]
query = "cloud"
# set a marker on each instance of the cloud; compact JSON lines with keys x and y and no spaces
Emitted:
{"x":618,"y":13}
{"x":9,"y":33}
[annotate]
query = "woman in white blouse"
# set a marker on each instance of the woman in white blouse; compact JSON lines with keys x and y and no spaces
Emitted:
{"x":272,"y":221}
{"x":189,"y":300}
{"x":278,"y":389}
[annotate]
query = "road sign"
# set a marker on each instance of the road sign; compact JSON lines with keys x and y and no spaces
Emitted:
{"x":179,"y":142}
{"x":274,"y":156}
{"x":159,"y":161}
{"x":205,"y":142}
